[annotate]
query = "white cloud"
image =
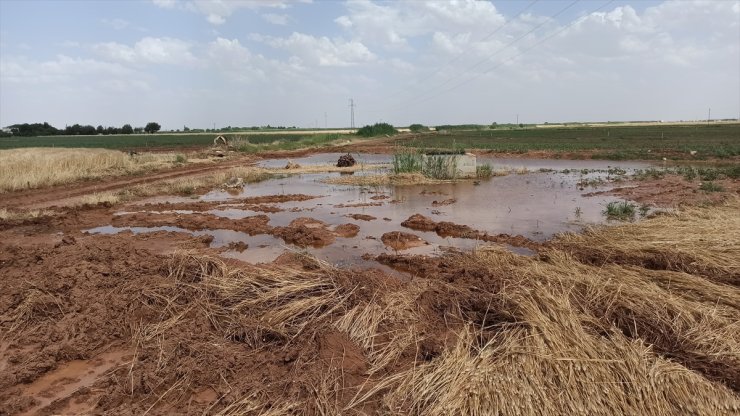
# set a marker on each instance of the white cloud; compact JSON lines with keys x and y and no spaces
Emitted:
{"x":59,"y":70}
{"x":276,"y":19}
{"x":217,"y":11}
{"x":148,"y":50}
{"x":118,"y":24}
{"x":165,"y":4}
{"x":322,"y":51}
{"x":390,"y":25}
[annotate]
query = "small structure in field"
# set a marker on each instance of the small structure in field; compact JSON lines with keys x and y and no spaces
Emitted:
{"x":220,"y":141}
{"x":448,"y":165}
{"x":345,"y":161}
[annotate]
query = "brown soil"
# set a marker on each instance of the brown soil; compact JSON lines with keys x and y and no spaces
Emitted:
{"x":673,"y":190}
{"x":449,"y":229}
{"x":96,"y":324}
{"x":346,"y":230}
{"x":399,"y":240}
{"x":448,"y":201}
{"x":237,"y":246}
{"x":362,"y":217}
{"x":253,"y":225}
{"x":362,"y":204}
{"x":305,"y":232}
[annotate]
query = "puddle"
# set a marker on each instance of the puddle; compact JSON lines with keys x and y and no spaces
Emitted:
{"x":71,"y":377}
{"x":547,"y":200}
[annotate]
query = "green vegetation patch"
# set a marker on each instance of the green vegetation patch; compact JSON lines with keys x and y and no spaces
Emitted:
{"x":606,"y":142}
{"x":377,"y":129}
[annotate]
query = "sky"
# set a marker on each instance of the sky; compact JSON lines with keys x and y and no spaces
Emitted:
{"x":298,"y":63}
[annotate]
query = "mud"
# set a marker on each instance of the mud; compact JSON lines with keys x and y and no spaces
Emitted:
{"x":399,"y":240}
{"x":113,"y":324}
{"x":672,"y":191}
{"x":448,"y":229}
{"x":253,"y":225}
{"x":305,"y":232}
{"x":362,"y":217}
{"x":347,"y":230}
{"x":448,"y":201}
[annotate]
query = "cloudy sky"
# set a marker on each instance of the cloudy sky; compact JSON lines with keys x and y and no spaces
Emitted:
{"x":243,"y":63}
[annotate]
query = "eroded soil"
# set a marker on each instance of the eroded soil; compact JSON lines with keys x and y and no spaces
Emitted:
{"x":95,"y":323}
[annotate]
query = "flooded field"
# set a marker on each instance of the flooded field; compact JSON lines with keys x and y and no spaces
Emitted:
{"x":539,"y":199}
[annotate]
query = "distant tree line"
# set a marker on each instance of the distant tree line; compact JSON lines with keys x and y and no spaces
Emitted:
{"x":46,"y":129}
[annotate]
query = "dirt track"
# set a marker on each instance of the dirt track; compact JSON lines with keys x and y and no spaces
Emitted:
{"x":45,"y":197}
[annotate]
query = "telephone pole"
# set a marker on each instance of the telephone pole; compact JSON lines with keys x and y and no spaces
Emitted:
{"x":352,"y":113}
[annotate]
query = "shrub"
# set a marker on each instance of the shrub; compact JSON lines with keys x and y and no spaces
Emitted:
{"x":181,"y":159}
{"x":484,"y":171}
{"x":711,"y":187}
{"x":377,"y":129}
{"x":416,"y":128}
{"x":620,"y":210}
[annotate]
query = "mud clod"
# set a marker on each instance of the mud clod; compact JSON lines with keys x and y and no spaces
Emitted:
{"x":399,"y":240}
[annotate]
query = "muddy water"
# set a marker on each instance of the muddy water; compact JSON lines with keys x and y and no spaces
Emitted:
{"x":69,"y":378}
{"x":538,"y":204}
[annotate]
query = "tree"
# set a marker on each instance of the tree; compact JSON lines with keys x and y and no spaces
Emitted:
{"x":152,"y":127}
{"x":127,"y":129}
{"x":416,"y":128}
{"x":100,"y":130}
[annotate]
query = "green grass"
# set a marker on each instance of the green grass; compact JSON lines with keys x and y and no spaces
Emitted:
{"x":622,"y":211}
{"x":165,"y":140}
{"x":606,"y":142}
{"x":256,"y":144}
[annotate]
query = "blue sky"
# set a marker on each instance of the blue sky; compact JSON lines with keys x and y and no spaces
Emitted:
{"x":244,"y":63}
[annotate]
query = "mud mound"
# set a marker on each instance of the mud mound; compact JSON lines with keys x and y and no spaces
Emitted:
{"x":362,"y":217}
{"x":257,"y":224}
{"x":449,"y":229}
{"x":305,"y":232}
{"x":347,"y":230}
{"x":399,"y":240}
{"x":345,"y":161}
{"x":419,"y":222}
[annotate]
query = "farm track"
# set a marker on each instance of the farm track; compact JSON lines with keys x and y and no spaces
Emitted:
{"x":50,"y":196}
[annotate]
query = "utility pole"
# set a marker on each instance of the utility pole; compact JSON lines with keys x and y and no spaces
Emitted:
{"x":352,"y":113}
{"x":517,"y":119}
{"x":325,"y":125}
{"x":709,"y":116}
